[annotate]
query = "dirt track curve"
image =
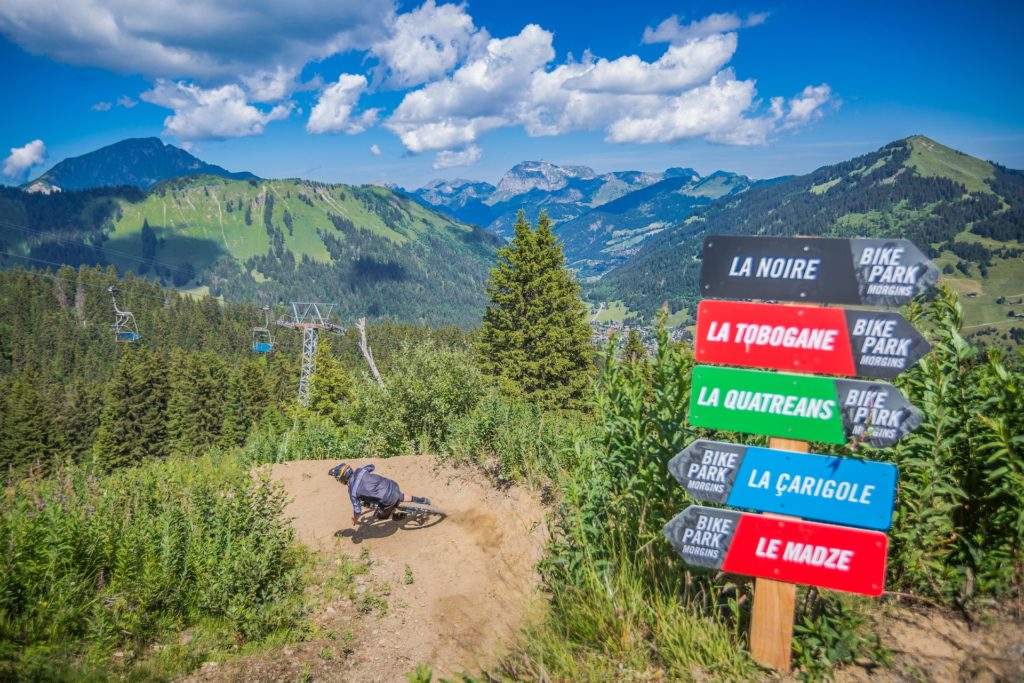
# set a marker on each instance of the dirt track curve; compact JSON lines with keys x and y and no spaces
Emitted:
{"x":472,"y":577}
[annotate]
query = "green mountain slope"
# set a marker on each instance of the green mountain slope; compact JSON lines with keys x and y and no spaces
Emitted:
{"x":375,"y":253}
{"x":966,"y":213}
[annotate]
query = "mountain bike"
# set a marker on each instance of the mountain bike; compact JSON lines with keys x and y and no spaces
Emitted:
{"x":410,"y":516}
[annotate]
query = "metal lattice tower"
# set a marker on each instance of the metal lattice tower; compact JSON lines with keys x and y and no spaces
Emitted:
{"x":310,"y":318}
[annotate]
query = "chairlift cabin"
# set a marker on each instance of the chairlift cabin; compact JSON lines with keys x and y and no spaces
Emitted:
{"x":125,"y":329}
{"x":262,"y":340}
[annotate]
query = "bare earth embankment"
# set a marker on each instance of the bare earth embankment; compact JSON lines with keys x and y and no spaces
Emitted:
{"x":469,"y":583}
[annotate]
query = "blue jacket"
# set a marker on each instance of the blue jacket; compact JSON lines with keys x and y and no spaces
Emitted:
{"x":369,"y":487}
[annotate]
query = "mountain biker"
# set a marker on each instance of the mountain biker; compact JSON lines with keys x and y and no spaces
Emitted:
{"x":369,"y":488}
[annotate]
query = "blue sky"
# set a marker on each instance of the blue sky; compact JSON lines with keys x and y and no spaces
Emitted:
{"x":370,"y":90}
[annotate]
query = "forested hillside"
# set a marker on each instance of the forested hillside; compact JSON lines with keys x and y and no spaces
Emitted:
{"x":967,"y":214}
{"x":375,"y":253}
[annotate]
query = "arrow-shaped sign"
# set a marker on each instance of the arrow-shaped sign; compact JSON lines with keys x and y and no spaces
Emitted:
{"x":833,"y":341}
{"x":820,"y":487}
{"x":875,"y":272}
{"x":834,"y":557}
{"x":800,"y":406}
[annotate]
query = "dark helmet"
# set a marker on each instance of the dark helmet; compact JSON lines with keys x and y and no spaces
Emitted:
{"x":342,"y":473}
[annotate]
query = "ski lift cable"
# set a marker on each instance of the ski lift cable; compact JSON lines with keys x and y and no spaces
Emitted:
{"x":113,"y":252}
{"x":75,"y":282}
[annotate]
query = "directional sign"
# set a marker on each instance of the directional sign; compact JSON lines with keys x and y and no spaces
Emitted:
{"x":800,"y":406}
{"x":833,"y":341}
{"x":820,"y":487}
{"x":834,"y":557}
{"x":875,"y":272}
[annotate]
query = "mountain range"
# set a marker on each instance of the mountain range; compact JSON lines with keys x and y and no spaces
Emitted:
{"x":633,"y":237}
{"x":142,"y":162}
{"x":965,"y":213}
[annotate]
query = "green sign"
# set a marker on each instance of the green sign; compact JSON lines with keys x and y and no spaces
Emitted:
{"x":801,"y":407}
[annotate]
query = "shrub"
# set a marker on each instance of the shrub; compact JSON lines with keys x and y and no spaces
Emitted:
{"x":98,"y":563}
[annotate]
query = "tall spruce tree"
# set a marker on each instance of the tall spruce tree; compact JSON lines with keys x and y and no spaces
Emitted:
{"x":535,"y":335}
{"x":330,"y":389}
{"x":133,"y":424}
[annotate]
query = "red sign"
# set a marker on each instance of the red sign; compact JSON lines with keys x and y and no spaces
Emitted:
{"x":834,"y":557}
{"x":814,"y":339}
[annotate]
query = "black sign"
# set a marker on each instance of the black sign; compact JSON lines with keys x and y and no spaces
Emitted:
{"x":884,"y":344}
{"x":876,"y":272}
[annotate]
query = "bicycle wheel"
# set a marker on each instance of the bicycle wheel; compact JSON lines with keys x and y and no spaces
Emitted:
{"x":421,"y":516}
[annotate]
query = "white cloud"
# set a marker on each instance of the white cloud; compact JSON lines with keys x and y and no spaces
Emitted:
{"x":24,"y":158}
{"x":201,"y":114}
{"x":671,"y":31}
{"x":271,"y":86}
{"x":806,"y":107}
{"x":335,"y":112}
{"x":427,"y":43}
{"x":101,"y":106}
{"x":126,"y":102}
{"x":455,"y":111}
{"x":195,"y":39}
{"x":463,"y":157}
{"x":682,"y":66}
{"x":688,"y":92}
{"x":375,"y":150}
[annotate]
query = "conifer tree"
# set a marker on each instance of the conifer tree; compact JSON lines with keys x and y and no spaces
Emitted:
{"x":133,"y":424}
{"x":195,"y":409}
{"x":29,"y":430}
{"x":635,"y":350}
{"x":330,"y":389}
{"x":535,"y":335}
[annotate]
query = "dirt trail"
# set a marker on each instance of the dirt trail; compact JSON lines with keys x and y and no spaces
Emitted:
{"x":472,"y":577}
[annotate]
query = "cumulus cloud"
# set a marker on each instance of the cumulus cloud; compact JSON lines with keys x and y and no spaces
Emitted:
{"x":455,"y":111}
{"x":427,"y":43}
{"x":462,"y":157}
{"x":335,"y":112}
{"x":102,"y":106}
{"x":212,"y":113}
{"x":806,"y":107}
{"x":375,"y":150}
{"x":193,"y":39}
{"x":22,"y":159}
{"x":126,"y":102}
{"x":688,"y":92}
{"x":682,"y":66}
{"x":671,"y":31}
{"x":271,"y":85}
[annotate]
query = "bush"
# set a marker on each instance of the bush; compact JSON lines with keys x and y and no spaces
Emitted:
{"x":428,"y":388}
{"x":93,"y":563}
{"x":516,"y":440}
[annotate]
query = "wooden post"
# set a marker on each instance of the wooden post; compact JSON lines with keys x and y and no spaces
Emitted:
{"x":771,"y":619}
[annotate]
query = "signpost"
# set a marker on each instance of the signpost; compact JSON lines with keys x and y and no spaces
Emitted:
{"x":873,"y":272}
{"x":820,"y":487}
{"x":811,"y":408}
{"x":794,"y":551}
{"x":833,"y":341}
{"x":794,"y":409}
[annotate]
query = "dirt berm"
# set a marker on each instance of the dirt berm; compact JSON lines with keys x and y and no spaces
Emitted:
{"x":449,"y":595}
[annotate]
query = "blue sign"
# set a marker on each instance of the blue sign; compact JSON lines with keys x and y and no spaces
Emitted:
{"x":825,"y":488}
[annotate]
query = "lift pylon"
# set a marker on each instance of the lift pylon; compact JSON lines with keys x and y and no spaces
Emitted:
{"x":125,"y":329}
{"x":310,"y":318}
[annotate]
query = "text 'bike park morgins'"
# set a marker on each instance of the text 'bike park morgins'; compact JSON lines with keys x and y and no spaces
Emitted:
{"x":844,"y":504}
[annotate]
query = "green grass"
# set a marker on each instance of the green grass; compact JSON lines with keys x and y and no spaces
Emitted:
{"x":1005,"y":279}
{"x":612,"y":312}
{"x":932,"y":160}
{"x":822,"y":188}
